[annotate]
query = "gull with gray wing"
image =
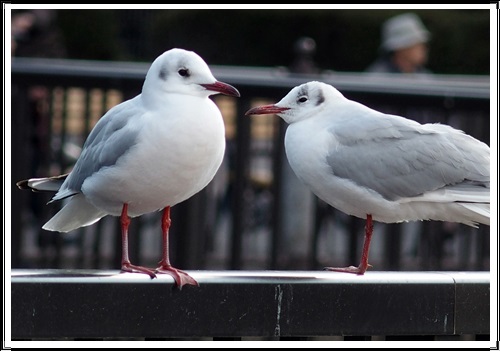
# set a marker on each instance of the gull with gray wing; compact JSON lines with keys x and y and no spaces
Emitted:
{"x":382,"y":167}
{"x":146,"y":154}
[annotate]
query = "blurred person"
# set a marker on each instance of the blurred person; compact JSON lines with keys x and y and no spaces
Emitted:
{"x":304,"y":50}
{"x":20,"y":27}
{"x":35,"y":34}
{"x":404,"y":46}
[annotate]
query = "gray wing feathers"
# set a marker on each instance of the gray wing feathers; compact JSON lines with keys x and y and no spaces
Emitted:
{"x":353,"y":130}
{"x":399,"y":160}
{"x":109,"y":140}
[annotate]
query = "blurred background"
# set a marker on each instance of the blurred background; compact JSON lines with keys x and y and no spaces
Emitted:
{"x":70,"y":66}
{"x":346,"y":40}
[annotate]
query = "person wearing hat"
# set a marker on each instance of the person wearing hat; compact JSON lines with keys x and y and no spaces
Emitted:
{"x":404,"y":46}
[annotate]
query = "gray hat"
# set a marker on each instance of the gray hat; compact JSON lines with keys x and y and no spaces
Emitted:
{"x":403,"y":31}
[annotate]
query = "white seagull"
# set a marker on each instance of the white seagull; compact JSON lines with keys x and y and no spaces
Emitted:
{"x":146,"y":154}
{"x":382,"y":167}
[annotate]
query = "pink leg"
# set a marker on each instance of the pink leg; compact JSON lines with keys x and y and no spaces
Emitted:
{"x":363,"y":265}
{"x":126,"y":265}
{"x":181,"y":278}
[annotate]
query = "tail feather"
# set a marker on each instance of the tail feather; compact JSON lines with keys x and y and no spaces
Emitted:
{"x":42,"y":184}
{"x":455,"y":193}
{"x":478,"y":212}
{"x":78,"y":212}
{"x":467,"y":203}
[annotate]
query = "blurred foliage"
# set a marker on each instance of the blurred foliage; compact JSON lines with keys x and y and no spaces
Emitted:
{"x":346,"y":40}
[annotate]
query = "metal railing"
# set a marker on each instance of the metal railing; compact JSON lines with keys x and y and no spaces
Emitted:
{"x":56,"y":102}
{"x":235,"y":305}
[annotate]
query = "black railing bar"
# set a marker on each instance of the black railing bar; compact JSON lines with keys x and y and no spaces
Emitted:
{"x":79,"y":68}
{"x":453,"y":86}
{"x":138,"y":69}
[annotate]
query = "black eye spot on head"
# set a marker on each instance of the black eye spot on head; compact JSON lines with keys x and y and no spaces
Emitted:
{"x":184,"y":72}
{"x":321,"y":98}
{"x":163,"y":74}
{"x":302,"y":99}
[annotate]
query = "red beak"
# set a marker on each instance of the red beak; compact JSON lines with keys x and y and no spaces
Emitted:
{"x":222,"y":88}
{"x":266,"y":109}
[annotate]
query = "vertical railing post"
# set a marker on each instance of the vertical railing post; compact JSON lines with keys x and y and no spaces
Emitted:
{"x":277,"y":190}
{"x":240,"y":162}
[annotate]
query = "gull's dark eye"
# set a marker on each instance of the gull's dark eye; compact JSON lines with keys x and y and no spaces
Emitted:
{"x":183,"y":72}
{"x":302,"y":99}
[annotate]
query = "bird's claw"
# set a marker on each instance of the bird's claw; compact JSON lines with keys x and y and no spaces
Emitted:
{"x":351,"y":269}
{"x":181,"y":278}
{"x":138,"y":269}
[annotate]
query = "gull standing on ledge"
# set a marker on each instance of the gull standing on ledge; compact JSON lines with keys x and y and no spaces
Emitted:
{"x":146,"y":154}
{"x":382,"y":167}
